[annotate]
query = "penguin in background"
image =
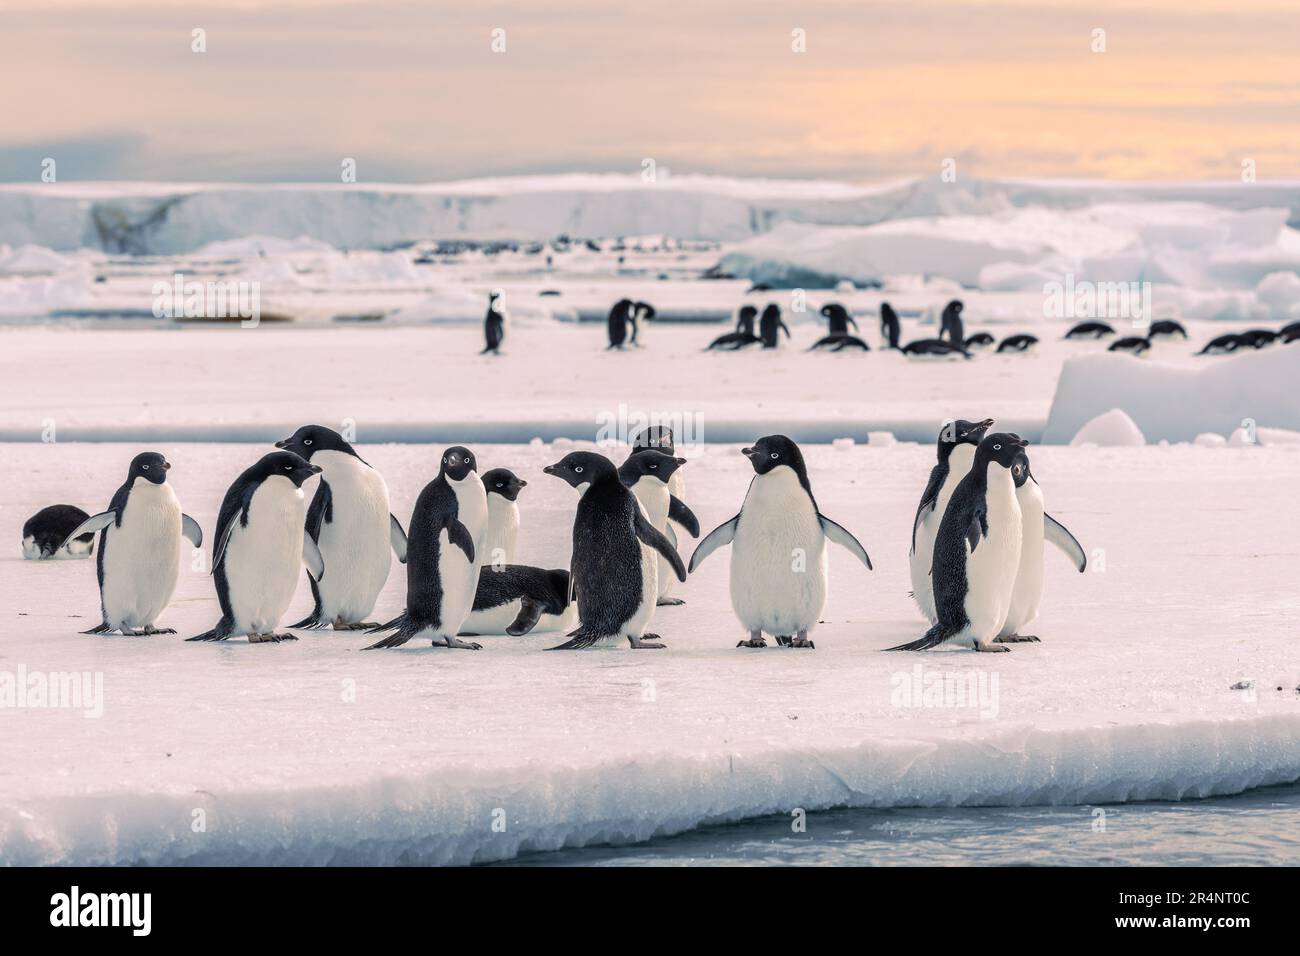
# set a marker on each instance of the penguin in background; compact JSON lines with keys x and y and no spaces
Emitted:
{"x":1224,"y":344}
{"x":955,"y":451}
{"x":1090,"y":330}
{"x":517,"y":599}
{"x":660,"y":438}
{"x":838,"y":321}
{"x":977,"y":552}
{"x":649,"y":474}
{"x":1017,"y":343}
{"x":1135,"y":345}
{"x":138,"y":558}
{"x":640,"y":312}
{"x":891,"y":330}
{"x":1037,"y":526}
{"x":494,"y":323}
{"x":444,"y":556}
{"x":350,"y":521}
{"x":261,"y":544}
{"x":1166,"y":327}
{"x":778,"y":555}
{"x":616,"y":323}
{"x":951,"y":326}
{"x":614,"y":570}
{"x":742,"y":336}
{"x":502,"y":486}
{"x":45,"y":532}
{"x":979,"y":340}
{"x":769,"y":324}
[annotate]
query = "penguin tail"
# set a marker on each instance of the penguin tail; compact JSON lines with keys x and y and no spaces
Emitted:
{"x":580,"y":638}
{"x":932,"y":638}
{"x":311,"y":622}
{"x":405,"y":631}
{"x":102,"y":628}
{"x":219,"y":633}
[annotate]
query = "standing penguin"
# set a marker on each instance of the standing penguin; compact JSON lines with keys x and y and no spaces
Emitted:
{"x":977,"y":552}
{"x":837,"y":335}
{"x":640,"y":312}
{"x":955,"y":450}
{"x":1036,"y":526}
{"x":444,"y":555}
{"x":660,"y":438}
{"x":502,"y":487}
{"x":261,"y":545}
{"x":649,"y":474}
{"x":951,"y":326}
{"x":769,"y":323}
{"x":616,"y":323}
{"x":138,"y":558}
{"x":350,"y":521}
{"x":778,"y":558}
{"x":614,"y":571}
{"x":494,"y":323}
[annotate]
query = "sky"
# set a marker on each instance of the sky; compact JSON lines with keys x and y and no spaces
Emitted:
{"x":882,"y":89}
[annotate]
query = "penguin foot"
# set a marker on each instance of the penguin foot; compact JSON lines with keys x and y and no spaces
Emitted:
{"x":355,"y":625}
{"x":638,"y":643}
{"x":150,"y":629}
{"x":756,"y":641}
{"x":783,"y":640}
{"x":991,"y":648}
{"x":1017,"y":639}
{"x":270,"y":638}
{"x":462,"y":645}
{"x":670,"y":602}
{"x":801,"y":640}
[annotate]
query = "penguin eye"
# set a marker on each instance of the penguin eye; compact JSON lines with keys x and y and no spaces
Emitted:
{"x":653,"y":467}
{"x":306,"y":441}
{"x":997,"y":447}
{"x":288,"y":467}
{"x":578,"y":469}
{"x":145,"y":467}
{"x":775,"y":455}
{"x":499,"y":485}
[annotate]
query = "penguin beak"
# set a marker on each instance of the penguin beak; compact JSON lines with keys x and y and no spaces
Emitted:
{"x":747,"y":452}
{"x":167,"y":465}
{"x":315,"y":469}
{"x":549,"y":469}
{"x":680,"y":461}
{"x":987,"y":423}
{"x":522,"y":483}
{"x":282,"y":443}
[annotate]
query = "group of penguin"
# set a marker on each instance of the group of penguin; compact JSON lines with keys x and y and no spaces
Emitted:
{"x":976,"y":553}
{"x":1225,"y":344}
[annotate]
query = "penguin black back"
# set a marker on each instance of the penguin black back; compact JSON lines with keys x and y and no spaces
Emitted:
{"x":770,"y":324}
{"x":494,"y":326}
{"x":617,"y":322}
{"x":50,"y":527}
{"x":890,"y":329}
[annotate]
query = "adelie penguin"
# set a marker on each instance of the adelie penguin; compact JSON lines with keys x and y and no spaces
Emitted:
{"x":614,"y":568}
{"x":955,"y":450}
{"x":1258,"y":338}
{"x":494,"y":323}
{"x":617,"y":322}
{"x":444,"y":556}
{"x":1224,"y":344}
{"x":1288,"y":334}
{"x":979,"y":340}
{"x":770,"y":324}
{"x":744,"y":334}
{"x":1166,"y":327}
{"x":891,"y":330}
{"x":1131,"y":344}
{"x":778,"y":554}
{"x":1090,"y":330}
{"x":1036,"y":527}
{"x":350,"y":521}
{"x":977,"y":552}
{"x":138,"y":557}
{"x":516,"y":599}
{"x":648,"y":474}
{"x":838,"y":322}
{"x":1017,"y":343}
{"x":45,"y":532}
{"x":951,"y":327}
{"x":502,"y":487}
{"x":261,"y":545}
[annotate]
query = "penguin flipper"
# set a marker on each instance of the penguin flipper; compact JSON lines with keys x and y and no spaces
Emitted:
{"x":654,"y":538}
{"x":530,"y":612}
{"x":397,"y":537}
{"x":458,"y":535}
{"x":842,"y":536}
{"x":723,"y":534}
{"x":683,"y":515}
{"x":190,"y":529}
{"x":929,"y":498}
{"x":978,"y":529}
{"x":311,"y":557}
{"x":94,"y":523}
{"x":1060,"y":536}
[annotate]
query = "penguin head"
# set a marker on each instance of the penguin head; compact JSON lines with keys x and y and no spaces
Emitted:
{"x":1020,"y":470}
{"x":774,"y":451}
{"x":458,"y":462}
{"x":961,"y":432}
{"x":150,"y":466}
{"x":887,"y":313}
{"x":310,"y":439}
{"x":659,"y":437}
{"x":580,"y":468}
{"x":1002,"y":447}
{"x":771,"y":312}
{"x":954,"y":307}
{"x":503,"y":482}
{"x":748,"y":312}
{"x":649,"y":463}
{"x":644,"y":310}
{"x":285,"y":464}
{"x":834,"y":310}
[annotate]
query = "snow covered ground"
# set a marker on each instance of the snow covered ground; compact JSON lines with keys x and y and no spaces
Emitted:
{"x":313,"y":752}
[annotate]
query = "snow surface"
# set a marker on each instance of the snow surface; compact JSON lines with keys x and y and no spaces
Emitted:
{"x":1112,"y":429}
{"x":314,"y":752}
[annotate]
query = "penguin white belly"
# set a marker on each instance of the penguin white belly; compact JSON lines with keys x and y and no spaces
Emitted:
{"x":654,"y":497}
{"x":778,"y":557}
{"x":142,"y":557}
{"x":635,"y":625}
{"x":459,"y":580}
{"x":264,"y":558}
{"x":503,"y":531}
{"x":922,"y":559}
{"x":1028,"y":592}
{"x":991,"y":569}
{"x":356,"y":545}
